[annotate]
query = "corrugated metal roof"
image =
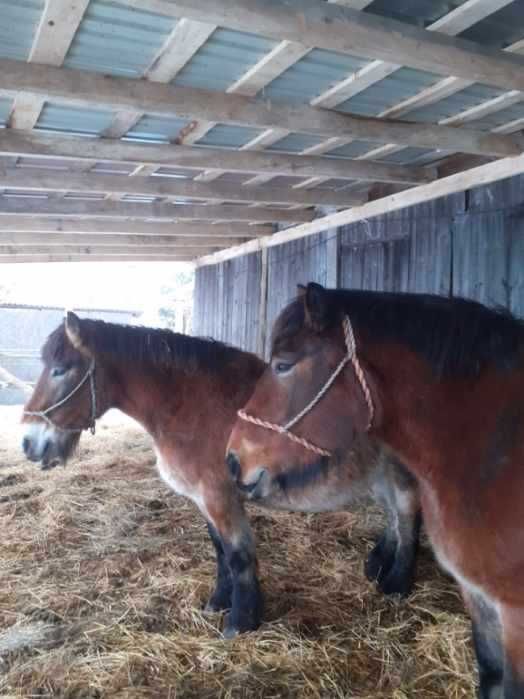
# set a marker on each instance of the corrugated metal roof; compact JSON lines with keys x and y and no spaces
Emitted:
{"x":352,"y":150}
{"x":454,"y":104}
{"x":19,"y":23}
{"x":409,"y":155}
{"x":295,"y":143}
{"x":504,"y":116}
{"x":397,"y":87}
{"x":153,"y":129}
{"x":312,"y":75}
{"x":176,"y":172}
{"x":118,"y":40}
{"x":223,"y":59}
{"x":499,"y":29}
{"x":66,"y":119}
{"x":418,"y":12}
{"x":5,"y":111}
{"x":226,"y":136}
{"x":46,"y":163}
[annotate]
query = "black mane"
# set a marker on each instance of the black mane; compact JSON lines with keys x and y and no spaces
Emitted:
{"x":137,"y":343}
{"x":458,"y":337}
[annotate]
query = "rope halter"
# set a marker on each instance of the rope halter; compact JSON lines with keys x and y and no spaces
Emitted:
{"x":350,"y":356}
{"x":44,"y":414}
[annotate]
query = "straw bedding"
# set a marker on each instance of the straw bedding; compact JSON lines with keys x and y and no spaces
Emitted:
{"x":103,"y":575}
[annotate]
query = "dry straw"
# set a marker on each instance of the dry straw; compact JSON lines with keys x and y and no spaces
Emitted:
{"x":103,"y":574}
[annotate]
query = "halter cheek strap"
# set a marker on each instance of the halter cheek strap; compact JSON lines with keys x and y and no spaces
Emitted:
{"x":44,"y":414}
{"x":350,"y":356}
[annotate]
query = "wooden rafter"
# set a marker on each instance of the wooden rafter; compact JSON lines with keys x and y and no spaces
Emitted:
{"x":59,"y":22}
{"x":189,"y":229}
{"x":111,"y":150}
{"x":335,"y":28}
{"x":38,"y":180}
{"x":23,"y":240}
{"x":84,"y":89}
{"x":140,"y":211}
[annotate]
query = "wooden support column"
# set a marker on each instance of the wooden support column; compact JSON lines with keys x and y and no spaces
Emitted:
{"x":332,"y":239}
{"x":262,"y":309}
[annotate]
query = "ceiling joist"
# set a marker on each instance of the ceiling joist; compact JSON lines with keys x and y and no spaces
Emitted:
{"x":38,"y":180}
{"x":139,"y":211}
{"x":21,"y":143}
{"x":334,"y":28}
{"x":188,"y":229}
{"x":85,"y":89}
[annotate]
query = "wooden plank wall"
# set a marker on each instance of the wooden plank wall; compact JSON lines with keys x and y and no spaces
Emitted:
{"x":468,"y":244}
{"x":226,"y":301}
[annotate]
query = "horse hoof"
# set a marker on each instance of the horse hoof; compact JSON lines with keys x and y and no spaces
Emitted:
{"x":395,"y":584}
{"x":216,"y":604}
{"x":230,"y":631}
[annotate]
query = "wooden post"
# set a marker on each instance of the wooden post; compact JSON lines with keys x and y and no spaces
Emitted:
{"x":332,"y":238}
{"x":262,"y":311}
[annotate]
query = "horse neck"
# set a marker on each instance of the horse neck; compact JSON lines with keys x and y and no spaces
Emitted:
{"x":154,"y":396}
{"x":417,"y":412}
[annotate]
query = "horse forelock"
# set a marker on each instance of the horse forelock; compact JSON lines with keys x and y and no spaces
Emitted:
{"x":458,"y":337}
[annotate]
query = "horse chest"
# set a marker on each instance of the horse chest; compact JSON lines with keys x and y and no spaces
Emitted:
{"x":172,"y":474}
{"x":451,"y":546}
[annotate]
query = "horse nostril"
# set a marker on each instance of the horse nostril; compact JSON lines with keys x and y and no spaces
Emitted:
{"x":234,"y":465}
{"x":26,"y":445}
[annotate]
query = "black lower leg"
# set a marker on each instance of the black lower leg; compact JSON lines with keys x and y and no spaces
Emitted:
{"x":400,"y":577}
{"x":381,"y":556}
{"x":490,"y":664}
{"x":513,"y":683}
{"x":222,"y":595}
{"x":247,"y":603}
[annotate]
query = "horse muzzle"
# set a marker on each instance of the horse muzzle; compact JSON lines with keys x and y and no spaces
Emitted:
{"x":43,"y":445}
{"x":256,"y":486}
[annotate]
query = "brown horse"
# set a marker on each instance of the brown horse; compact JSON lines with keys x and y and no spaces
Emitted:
{"x":440,"y":382}
{"x":185,"y":393}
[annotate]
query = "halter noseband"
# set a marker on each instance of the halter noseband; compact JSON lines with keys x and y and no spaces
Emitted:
{"x":350,"y":356}
{"x":44,"y":414}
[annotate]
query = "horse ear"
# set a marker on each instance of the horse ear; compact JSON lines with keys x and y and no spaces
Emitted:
{"x":316,"y":306}
{"x":73,"y":327}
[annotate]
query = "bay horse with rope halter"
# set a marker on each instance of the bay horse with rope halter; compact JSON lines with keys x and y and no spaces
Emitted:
{"x":185,"y":392}
{"x":440,"y":382}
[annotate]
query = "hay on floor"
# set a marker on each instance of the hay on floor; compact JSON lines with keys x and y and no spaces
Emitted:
{"x":103,"y":574}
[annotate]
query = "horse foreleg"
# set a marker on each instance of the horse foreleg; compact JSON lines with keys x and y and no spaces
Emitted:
{"x":228,"y":520}
{"x":221,"y":597}
{"x":487,"y":641}
{"x":392,"y":562}
{"x":513,"y":640}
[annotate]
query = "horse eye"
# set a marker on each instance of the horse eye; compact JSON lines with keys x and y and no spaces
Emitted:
{"x":283,"y":367}
{"x":58,"y":371}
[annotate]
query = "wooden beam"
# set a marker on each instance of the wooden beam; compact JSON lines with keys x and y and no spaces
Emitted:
{"x":40,"y":180}
{"x":476,"y":177}
{"x":270,"y":66}
{"x":40,"y":145}
{"x":50,"y":257}
{"x":189,"y":229}
{"x":180,"y":47}
{"x":102,"y":239}
{"x":85,"y":89}
{"x":451,"y":24}
{"x":57,"y":28}
{"x":334,"y":28}
{"x":79,"y":249}
{"x":132,"y":210}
